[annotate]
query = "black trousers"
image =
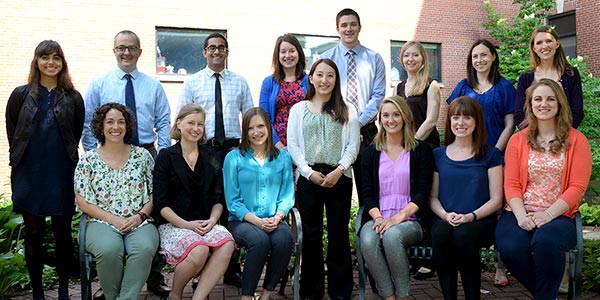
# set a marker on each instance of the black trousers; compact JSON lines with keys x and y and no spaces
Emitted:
{"x":311,"y":199}
{"x":457,"y":249}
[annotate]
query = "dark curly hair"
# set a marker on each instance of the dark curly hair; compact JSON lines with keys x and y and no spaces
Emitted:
{"x":100,"y":115}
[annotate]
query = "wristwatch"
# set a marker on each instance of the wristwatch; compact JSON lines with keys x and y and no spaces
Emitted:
{"x":342,"y":169}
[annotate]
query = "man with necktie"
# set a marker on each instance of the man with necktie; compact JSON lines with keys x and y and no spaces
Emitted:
{"x":224,"y":95}
{"x":148,"y":102}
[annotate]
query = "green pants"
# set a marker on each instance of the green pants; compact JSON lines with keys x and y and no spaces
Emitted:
{"x":120,"y":279}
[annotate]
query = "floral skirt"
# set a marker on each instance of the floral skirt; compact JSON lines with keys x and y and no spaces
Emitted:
{"x":176,"y":243}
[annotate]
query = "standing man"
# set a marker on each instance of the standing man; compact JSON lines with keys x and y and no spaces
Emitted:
{"x":223,"y":95}
{"x":362,"y":75}
{"x":148,"y":102}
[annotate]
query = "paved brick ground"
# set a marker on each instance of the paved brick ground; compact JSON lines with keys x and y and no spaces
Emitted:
{"x":421,"y":290}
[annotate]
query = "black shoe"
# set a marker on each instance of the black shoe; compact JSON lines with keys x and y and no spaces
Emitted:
{"x":161,"y":290}
{"x":99,"y":295}
{"x":235,"y":279}
{"x":422,"y":275}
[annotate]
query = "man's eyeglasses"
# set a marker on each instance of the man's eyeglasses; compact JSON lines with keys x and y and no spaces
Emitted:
{"x":214,"y":48}
{"x":132,"y":49}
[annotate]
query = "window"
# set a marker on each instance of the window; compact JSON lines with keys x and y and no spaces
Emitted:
{"x":179,"y":50}
{"x":564,"y":24}
{"x":434,"y":52}
{"x":315,"y":45}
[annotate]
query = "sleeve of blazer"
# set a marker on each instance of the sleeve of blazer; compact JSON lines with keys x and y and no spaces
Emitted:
{"x":161,"y":182}
{"x":79,"y":115}
{"x":423,"y":176}
{"x":370,"y":180}
{"x":13,"y":109}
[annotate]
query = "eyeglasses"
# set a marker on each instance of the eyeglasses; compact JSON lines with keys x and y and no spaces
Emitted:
{"x":213,"y":48}
{"x":132,"y":49}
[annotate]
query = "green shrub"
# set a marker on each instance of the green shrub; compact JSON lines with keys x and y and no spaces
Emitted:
{"x":591,"y":265}
{"x":590,"y":214}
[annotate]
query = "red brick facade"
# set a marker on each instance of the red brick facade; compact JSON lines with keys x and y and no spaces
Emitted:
{"x":85,"y":29}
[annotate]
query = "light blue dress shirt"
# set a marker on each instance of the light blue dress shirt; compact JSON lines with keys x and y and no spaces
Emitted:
{"x":153,"y":111}
{"x":262,"y":191}
{"x":371,"y":78}
{"x":235,"y":93}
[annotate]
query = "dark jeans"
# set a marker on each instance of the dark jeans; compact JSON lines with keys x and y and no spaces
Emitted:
{"x":458,"y":250}
{"x":368,"y":133}
{"x":259,"y":243}
{"x":35,"y":227}
{"x":536,"y":258}
{"x":337,"y":200}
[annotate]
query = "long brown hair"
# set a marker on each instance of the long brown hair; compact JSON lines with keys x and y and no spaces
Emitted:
{"x":48,"y":47}
{"x":272,"y":151}
{"x":560,"y":57}
{"x":278,"y":73}
{"x":467,"y":106}
{"x":562,"y":120}
{"x":423,"y":72}
{"x":335,"y":106}
{"x":408,"y":128}
{"x":494,"y":75}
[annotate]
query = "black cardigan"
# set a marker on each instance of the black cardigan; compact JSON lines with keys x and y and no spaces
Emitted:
{"x":421,"y":175}
{"x":172,"y":186}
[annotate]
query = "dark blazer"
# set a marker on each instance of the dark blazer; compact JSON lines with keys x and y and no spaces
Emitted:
{"x":175,"y":188}
{"x":21,"y":109}
{"x":421,"y":175}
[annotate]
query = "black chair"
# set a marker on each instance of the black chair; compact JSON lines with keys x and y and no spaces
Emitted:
{"x":487,"y":254}
{"x":293,"y":270}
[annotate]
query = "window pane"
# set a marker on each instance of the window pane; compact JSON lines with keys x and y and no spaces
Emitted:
{"x":435,"y":61}
{"x":315,"y":45}
{"x":179,"y":51}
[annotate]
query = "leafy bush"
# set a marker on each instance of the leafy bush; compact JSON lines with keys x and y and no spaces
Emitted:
{"x":590,"y":214}
{"x":13,"y":271}
{"x":591,"y":265}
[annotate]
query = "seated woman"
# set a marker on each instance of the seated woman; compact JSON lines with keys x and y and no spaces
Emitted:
{"x":188,"y":195}
{"x":465,"y":194}
{"x":259,"y":190}
{"x":548,"y":167}
{"x":397,"y":172}
{"x":113,"y":185}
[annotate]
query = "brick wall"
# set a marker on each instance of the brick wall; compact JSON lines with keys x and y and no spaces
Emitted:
{"x":85,"y":29}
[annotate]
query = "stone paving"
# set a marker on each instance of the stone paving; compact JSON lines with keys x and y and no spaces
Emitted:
{"x":421,"y":289}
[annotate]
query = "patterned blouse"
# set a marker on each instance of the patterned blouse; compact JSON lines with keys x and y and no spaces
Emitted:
{"x":544,"y":180}
{"x":122,"y":192}
{"x":323,"y":137}
{"x":289,"y":94}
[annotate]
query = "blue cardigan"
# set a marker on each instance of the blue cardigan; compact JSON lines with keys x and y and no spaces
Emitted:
{"x":268,"y":96}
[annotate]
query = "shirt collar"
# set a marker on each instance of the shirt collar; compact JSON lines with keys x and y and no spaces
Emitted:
{"x":121,"y":73}
{"x":210,"y":72}
{"x":344,"y":49}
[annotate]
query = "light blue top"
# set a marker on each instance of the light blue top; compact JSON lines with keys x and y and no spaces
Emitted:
{"x":235,"y":96}
{"x":268,"y":99}
{"x":497,"y":102}
{"x":152,"y":106}
{"x":371,"y":78}
{"x":262,"y":191}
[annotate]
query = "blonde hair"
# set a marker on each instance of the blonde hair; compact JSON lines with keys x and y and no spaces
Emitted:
{"x":186,"y":110}
{"x":562,"y":119}
{"x":408,"y":128}
{"x":422,"y":79}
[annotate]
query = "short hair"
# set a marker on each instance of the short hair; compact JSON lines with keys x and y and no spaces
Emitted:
{"x":272,"y":151}
{"x":278,"y":73}
{"x":423,"y":73}
{"x":48,"y":47}
{"x":467,"y":106}
{"x":494,"y":75}
{"x":408,"y":128}
{"x":346,"y":12}
{"x":560,"y":57}
{"x":129,"y":32}
{"x":335,"y":106}
{"x":186,"y":110}
{"x":215,"y":35}
{"x":97,"y":123}
{"x":563,"y":118}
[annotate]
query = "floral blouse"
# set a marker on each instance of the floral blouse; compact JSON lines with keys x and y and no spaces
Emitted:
{"x":122,"y":192}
